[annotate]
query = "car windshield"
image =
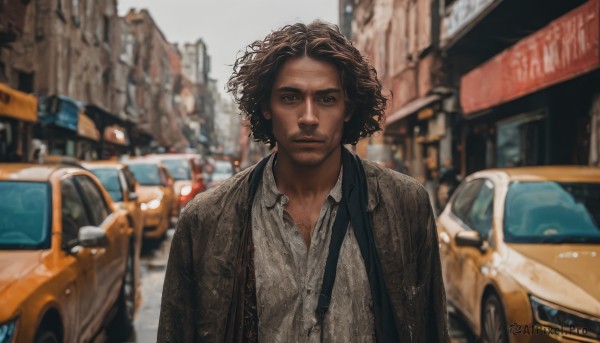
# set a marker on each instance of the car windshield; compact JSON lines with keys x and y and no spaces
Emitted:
{"x":24,"y":215}
{"x":146,"y":174}
{"x":552,"y":212}
{"x":179,"y":168}
{"x":110,"y":180}
{"x":222,"y":167}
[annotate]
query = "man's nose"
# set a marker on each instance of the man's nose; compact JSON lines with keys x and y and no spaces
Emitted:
{"x":309,"y":116}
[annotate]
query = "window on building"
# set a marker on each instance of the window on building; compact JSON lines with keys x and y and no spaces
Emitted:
{"x":42,"y":8}
{"x":106,"y":23}
{"x":520,"y":141}
{"x":60,"y":9}
{"x":26,"y":82}
{"x":75,"y":12}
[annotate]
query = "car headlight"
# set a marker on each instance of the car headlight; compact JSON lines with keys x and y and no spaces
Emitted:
{"x":565,"y":320}
{"x":143,"y":206}
{"x":153,"y":204}
{"x":186,"y":190}
{"x":7,"y":331}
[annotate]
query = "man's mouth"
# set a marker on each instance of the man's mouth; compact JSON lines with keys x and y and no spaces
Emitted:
{"x":308,"y":140}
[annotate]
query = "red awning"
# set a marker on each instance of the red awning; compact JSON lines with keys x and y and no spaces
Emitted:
{"x":562,"y":50}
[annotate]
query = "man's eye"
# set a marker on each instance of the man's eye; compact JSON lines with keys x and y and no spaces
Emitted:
{"x":289,"y":98}
{"x":328,"y":99}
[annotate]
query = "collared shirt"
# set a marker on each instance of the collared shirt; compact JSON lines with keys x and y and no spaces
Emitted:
{"x":289,"y":276}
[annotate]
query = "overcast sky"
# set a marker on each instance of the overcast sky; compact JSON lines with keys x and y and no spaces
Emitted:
{"x":227,"y":26}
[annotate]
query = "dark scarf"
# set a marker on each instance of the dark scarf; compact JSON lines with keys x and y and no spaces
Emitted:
{"x":242,"y":324}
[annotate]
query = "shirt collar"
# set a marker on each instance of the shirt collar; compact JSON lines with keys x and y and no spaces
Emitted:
{"x":271,"y":193}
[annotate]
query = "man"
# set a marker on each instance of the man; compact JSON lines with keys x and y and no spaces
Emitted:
{"x":312,"y":244}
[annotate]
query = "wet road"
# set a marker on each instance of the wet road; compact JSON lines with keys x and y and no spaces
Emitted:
{"x":154,"y":263}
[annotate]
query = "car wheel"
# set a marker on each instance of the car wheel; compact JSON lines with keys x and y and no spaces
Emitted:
{"x":46,"y":336}
{"x":121,"y":326}
{"x":493,"y":328}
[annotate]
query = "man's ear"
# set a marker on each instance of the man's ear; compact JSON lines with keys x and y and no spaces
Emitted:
{"x":266,"y":111}
{"x":347,"y":117}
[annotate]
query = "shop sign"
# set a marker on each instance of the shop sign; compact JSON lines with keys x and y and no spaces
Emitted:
{"x":62,"y":112}
{"x":463,"y":12}
{"x":87,"y":128}
{"x":564,"y":49}
{"x":116,"y":134}
{"x":17,"y":105}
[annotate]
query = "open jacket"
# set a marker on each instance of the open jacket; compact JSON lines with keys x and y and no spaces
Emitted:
{"x":199,"y":295}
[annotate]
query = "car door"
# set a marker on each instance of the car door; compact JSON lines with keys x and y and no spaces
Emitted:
{"x":477,"y":261}
{"x":450,"y":223}
{"x":73,"y":218}
{"x":111,"y":260}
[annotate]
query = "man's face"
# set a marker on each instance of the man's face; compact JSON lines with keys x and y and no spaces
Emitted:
{"x":307,"y":110}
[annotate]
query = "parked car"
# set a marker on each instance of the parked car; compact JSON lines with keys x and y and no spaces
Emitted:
{"x":121,"y":185}
{"x":222,"y":170}
{"x":66,"y":257}
{"x":155,"y":192}
{"x":186,"y":170}
{"x":520,"y":252}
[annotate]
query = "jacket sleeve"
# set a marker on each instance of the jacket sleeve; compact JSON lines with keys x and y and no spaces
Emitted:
{"x":436,"y":318}
{"x":177,"y":315}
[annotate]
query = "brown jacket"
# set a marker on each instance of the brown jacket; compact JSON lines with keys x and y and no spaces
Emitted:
{"x":198,"y":285}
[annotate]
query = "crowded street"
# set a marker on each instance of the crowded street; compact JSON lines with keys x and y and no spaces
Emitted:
{"x":325,"y":171}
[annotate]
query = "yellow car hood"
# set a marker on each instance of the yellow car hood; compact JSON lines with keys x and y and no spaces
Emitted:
{"x":565,"y":274}
{"x":15,"y":266}
{"x":147,"y":193}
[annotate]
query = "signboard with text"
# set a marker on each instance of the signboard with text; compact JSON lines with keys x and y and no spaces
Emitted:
{"x":462,"y":13}
{"x":564,"y":49}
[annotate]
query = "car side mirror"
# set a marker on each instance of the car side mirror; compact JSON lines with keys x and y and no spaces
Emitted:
{"x":133,"y":196}
{"x":468,"y":239}
{"x":92,"y":237}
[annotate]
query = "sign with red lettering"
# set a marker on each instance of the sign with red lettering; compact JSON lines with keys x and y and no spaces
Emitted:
{"x":564,"y":49}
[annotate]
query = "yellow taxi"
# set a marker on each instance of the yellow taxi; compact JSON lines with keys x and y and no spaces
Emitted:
{"x":121,"y":185}
{"x":187,"y":172}
{"x":520,"y":252}
{"x":66,"y":257}
{"x":156,"y":195}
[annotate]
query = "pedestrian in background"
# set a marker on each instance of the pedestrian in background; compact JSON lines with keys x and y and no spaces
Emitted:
{"x":312,"y":243}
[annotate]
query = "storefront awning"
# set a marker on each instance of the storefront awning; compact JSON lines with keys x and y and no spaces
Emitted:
{"x":410,"y":108}
{"x":17,"y":105}
{"x":564,"y":49}
{"x":87,"y":128}
{"x":61,"y":111}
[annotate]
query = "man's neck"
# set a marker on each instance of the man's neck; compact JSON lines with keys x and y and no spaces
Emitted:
{"x":303,"y":182}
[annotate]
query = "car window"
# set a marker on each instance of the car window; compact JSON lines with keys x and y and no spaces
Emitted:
{"x":480,"y":216}
{"x":96,"y":205}
{"x":179,"y":168}
{"x":555,"y":212}
{"x":25,"y":215}
{"x":129,"y":179}
{"x":164,"y":176}
{"x":74,"y":215}
{"x":223,"y":167}
{"x":464,"y":197}
{"x":109,"y":178}
{"x":146,"y":174}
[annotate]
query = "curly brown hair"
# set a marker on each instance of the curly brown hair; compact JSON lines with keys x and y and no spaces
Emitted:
{"x":255,"y":71}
